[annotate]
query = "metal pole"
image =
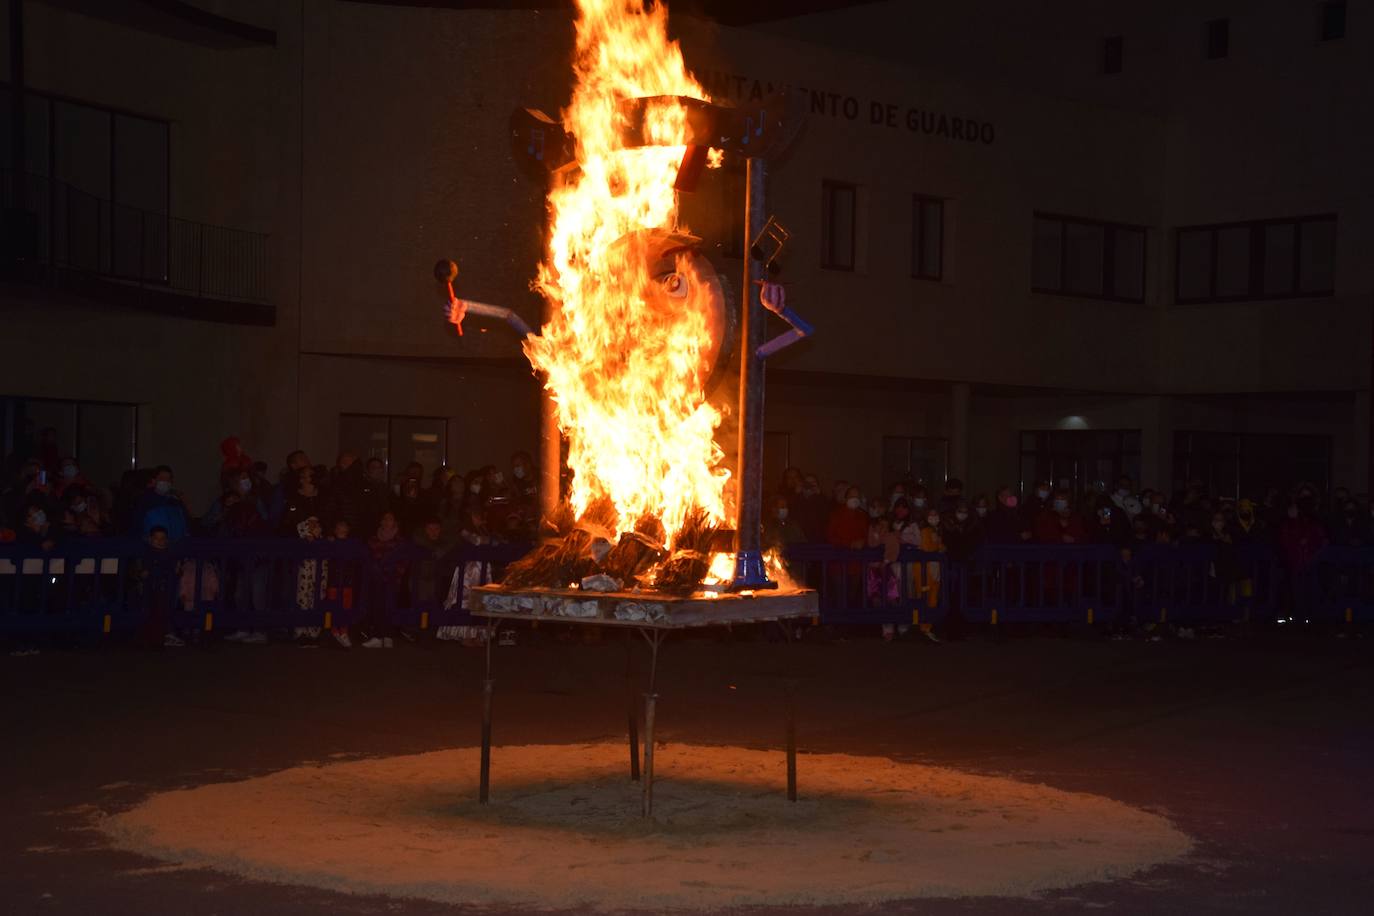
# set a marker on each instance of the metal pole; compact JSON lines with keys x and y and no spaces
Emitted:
{"x":488,"y":683}
{"x":550,"y":456}
{"x":631,"y":713}
{"x":647,"y":803}
{"x":791,"y":742}
{"x":749,"y":570}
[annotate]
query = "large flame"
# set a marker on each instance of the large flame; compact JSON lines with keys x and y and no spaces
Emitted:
{"x":624,"y":350}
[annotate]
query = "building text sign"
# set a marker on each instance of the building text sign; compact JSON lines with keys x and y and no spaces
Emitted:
{"x":839,"y":106}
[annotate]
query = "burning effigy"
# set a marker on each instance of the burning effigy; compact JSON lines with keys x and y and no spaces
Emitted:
{"x":640,"y":329}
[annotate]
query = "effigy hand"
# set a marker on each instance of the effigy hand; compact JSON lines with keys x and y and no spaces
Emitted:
{"x":773,"y":296}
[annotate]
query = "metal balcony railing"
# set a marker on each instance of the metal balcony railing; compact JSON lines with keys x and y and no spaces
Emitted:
{"x":51,"y":227}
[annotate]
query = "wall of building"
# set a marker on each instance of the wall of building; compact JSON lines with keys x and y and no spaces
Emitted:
{"x":373,"y":139}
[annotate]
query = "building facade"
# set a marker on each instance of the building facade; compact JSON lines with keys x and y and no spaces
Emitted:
{"x":1126,"y":241}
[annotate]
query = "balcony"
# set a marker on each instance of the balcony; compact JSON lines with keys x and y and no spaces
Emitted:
{"x":63,"y":240}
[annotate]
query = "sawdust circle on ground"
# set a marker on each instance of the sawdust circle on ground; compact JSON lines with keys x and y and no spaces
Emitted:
{"x":563,"y":830}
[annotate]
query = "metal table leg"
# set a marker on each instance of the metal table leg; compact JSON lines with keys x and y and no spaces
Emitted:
{"x":488,"y":683}
{"x":632,"y":714}
{"x":654,"y":639}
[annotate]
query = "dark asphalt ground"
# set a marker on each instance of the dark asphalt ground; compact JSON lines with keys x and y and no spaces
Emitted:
{"x":1261,"y":748}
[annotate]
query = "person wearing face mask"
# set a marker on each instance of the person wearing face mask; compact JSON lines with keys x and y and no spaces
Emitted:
{"x":813,"y":511}
{"x":38,"y":530}
{"x":780,"y":528}
{"x":1059,"y":524}
{"x":1350,"y":528}
{"x":69,"y":475}
{"x":245,"y":581}
{"x":524,"y":479}
{"x":84,"y":516}
{"x":451,"y":507}
{"x":919,"y":500}
{"x":962,"y":532}
{"x":161,"y":506}
{"x":1113,"y":525}
{"x":1125,"y":489}
{"x":373,"y":495}
{"x":848,"y":524}
{"x":305,"y":501}
{"x":287,"y":481}
{"x":840,"y":494}
{"x":384,"y":584}
{"x":1301,"y":537}
{"x":1038,"y":501}
{"x":1006,"y":521}
{"x":410,"y":507}
{"x":953,"y":494}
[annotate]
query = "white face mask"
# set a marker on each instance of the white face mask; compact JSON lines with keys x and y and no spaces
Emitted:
{"x":982,"y":511}
{"x":852,"y":502}
{"x":475,"y":488}
{"x":79,"y":508}
{"x":245,"y":486}
{"x":519,"y":472}
{"x":498,"y":478}
{"x":919,"y":502}
{"x":1043,"y":494}
{"x":782,"y":515}
{"x":1060,"y":505}
{"x":69,"y":471}
{"x":163,"y":487}
{"x":961,"y":516}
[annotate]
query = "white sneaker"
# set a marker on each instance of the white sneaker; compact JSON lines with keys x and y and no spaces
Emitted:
{"x":254,"y":638}
{"x":374,"y":643}
{"x":171,"y":641}
{"x":341,"y":637}
{"x":237,"y":636}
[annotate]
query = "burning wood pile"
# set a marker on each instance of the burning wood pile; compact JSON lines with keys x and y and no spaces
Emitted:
{"x":586,"y":553}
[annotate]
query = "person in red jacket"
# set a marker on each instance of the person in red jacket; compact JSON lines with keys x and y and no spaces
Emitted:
{"x":848,"y":525}
{"x":1301,"y":539}
{"x":1057,"y":523}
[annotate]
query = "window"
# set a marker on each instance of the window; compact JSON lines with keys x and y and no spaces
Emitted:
{"x":927,"y":237}
{"x":1079,"y":460}
{"x":1235,"y":465}
{"x":1264,"y":259}
{"x":101,"y":436}
{"x":920,"y":459}
{"x":1111,"y":54}
{"x":1080,"y":257}
{"x":1218,"y":44}
{"x":839,"y":207}
{"x":777,"y":452}
{"x":1331,"y":20}
{"x":396,"y":440}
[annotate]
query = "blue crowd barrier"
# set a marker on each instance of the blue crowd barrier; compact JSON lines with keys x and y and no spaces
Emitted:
{"x":92,"y":586}
{"x":1084,"y":584}
{"x":119,"y":585}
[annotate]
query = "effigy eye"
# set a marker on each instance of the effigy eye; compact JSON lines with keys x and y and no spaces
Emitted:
{"x":675,"y":285}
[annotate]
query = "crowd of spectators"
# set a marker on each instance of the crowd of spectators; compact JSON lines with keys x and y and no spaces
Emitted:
{"x":46,"y":498}
{"x":945,"y":519}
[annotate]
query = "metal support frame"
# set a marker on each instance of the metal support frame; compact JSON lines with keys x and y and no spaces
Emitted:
{"x":655,"y":639}
{"x":632,"y":714}
{"x":750,"y":573}
{"x":488,"y":685}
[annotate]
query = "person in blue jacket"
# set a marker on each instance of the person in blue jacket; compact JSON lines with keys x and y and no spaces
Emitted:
{"x":160,"y":506}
